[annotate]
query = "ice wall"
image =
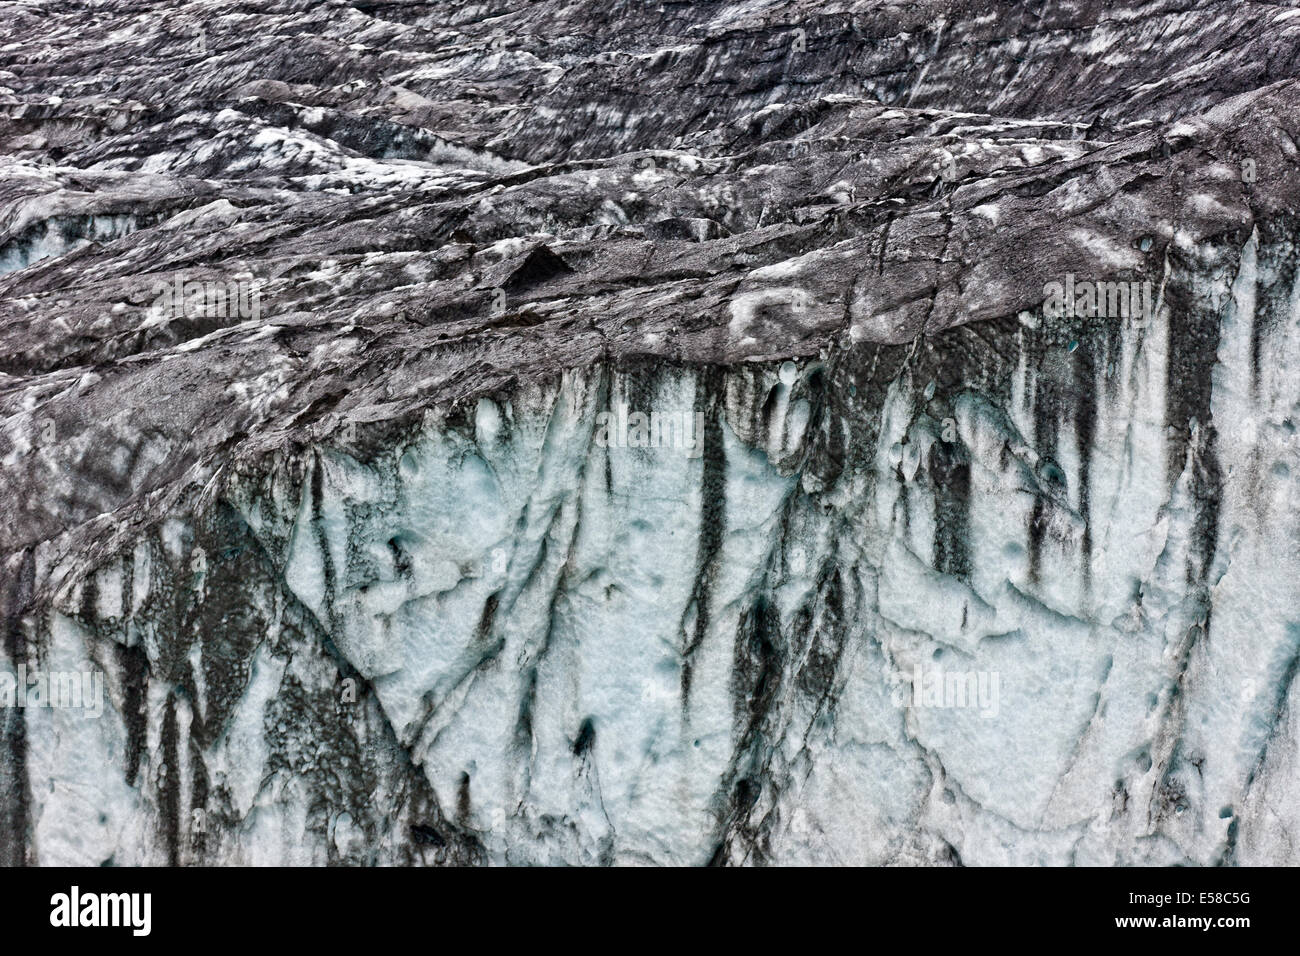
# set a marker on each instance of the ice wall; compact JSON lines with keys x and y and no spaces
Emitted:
{"x":504,"y":633}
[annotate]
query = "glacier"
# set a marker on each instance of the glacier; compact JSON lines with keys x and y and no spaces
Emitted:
{"x":911,"y":570}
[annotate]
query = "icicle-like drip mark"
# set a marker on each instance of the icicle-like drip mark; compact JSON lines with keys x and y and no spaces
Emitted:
{"x":200,"y":790}
{"x":133,"y":664}
{"x":15,"y":796}
{"x":1191,"y":442}
{"x":713,"y":523}
{"x":169,"y":783}
{"x":949,"y":467}
{"x":227,"y":632}
{"x":1051,"y":405}
{"x":1090,"y":370}
{"x":1278,"y":267}
{"x":757,"y":670}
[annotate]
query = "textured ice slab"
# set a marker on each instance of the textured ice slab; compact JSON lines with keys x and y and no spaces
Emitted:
{"x":651,"y":445}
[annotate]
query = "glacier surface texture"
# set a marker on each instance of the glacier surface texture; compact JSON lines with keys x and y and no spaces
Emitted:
{"x":625,"y":432}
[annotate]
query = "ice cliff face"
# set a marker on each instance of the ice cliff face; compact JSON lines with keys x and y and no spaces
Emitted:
{"x":620,"y":433}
